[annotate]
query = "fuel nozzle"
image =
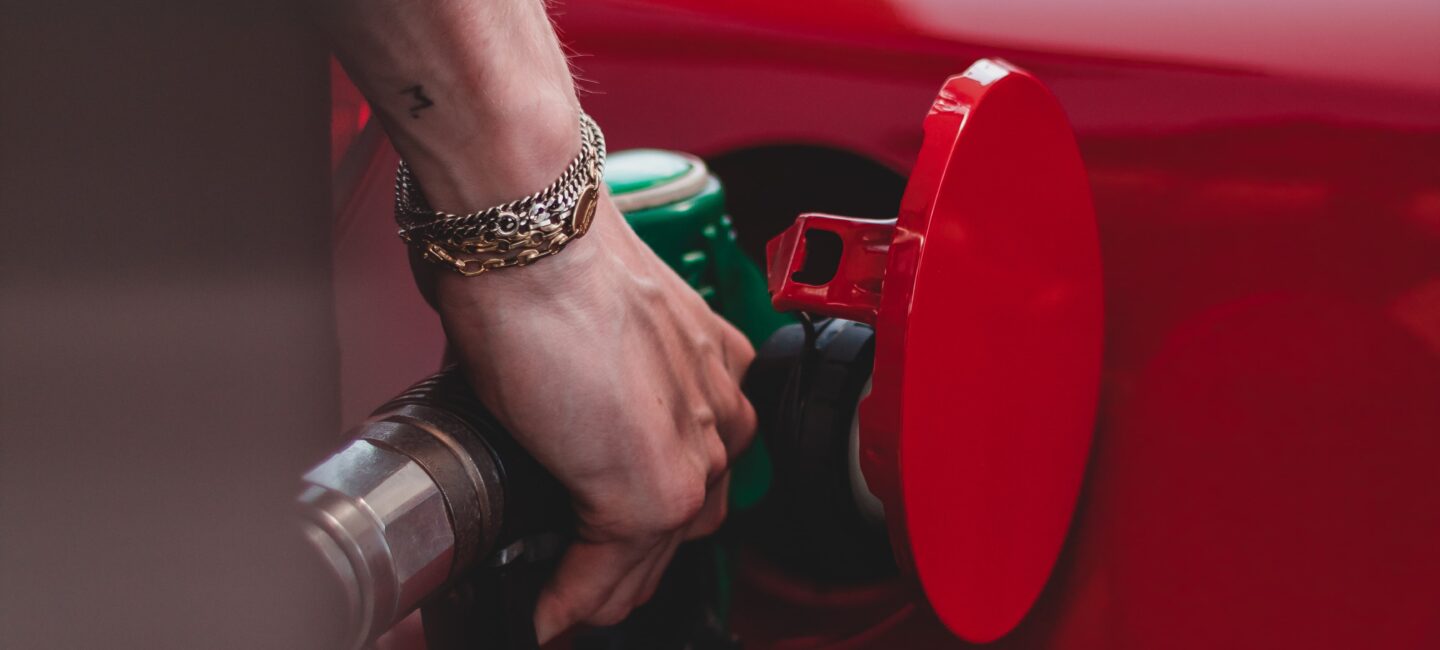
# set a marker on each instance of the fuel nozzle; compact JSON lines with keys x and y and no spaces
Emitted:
{"x":819,"y":518}
{"x":431,"y":504}
{"x":430,"y":490}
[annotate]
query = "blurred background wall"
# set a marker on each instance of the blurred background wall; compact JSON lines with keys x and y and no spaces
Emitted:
{"x":167,"y":352}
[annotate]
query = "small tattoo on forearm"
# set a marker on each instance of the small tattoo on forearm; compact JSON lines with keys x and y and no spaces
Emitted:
{"x":418,"y":93}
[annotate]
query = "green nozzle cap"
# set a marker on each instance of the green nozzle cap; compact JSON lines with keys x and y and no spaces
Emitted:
{"x":641,"y":169}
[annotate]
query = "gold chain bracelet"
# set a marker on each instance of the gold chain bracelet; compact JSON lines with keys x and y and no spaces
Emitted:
{"x":515,"y":233}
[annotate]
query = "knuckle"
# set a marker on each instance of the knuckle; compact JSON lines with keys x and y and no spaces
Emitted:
{"x":737,"y":346}
{"x":651,"y":291}
{"x":747,"y":355}
{"x":711,"y":524}
{"x":680,"y":504}
{"x":703,"y":345}
{"x":717,"y":458}
{"x":740,"y":425}
{"x":746,"y":418}
{"x":704,"y":418}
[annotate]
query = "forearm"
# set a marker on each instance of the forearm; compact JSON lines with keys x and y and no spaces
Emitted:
{"x":474,"y":94}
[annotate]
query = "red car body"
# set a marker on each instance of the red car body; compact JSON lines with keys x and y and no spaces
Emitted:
{"x":1266,"y":182}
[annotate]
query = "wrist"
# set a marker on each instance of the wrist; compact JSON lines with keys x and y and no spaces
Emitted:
{"x":569,"y":281}
{"x":502,"y":154}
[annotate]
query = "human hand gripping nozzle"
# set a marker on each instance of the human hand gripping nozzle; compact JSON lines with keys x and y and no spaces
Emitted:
{"x":431,"y":504}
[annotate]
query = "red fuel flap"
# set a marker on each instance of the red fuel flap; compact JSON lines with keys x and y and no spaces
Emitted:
{"x":985,"y":296}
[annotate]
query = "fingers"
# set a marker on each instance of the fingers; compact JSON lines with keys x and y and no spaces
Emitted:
{"x":712,"y":514}
{"x":735,"y":418}
{"x":600,"y":584}
{"x":736,"y":422}
{"x":738,"y":430}
{"x":736,"y":352}
{"x":638,"y":586}
{"x":670,"y":484}
{"x":628,"y":593}
{"x":584,"y":582}
{"x":652,"y":580}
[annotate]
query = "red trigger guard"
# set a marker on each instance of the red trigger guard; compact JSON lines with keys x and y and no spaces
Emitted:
{"x":853,"y":293}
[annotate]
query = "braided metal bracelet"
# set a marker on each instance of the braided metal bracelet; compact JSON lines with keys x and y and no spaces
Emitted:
{"x":515,"y":233}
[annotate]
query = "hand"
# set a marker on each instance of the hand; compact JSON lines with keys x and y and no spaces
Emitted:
{"x":623,"y":383}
